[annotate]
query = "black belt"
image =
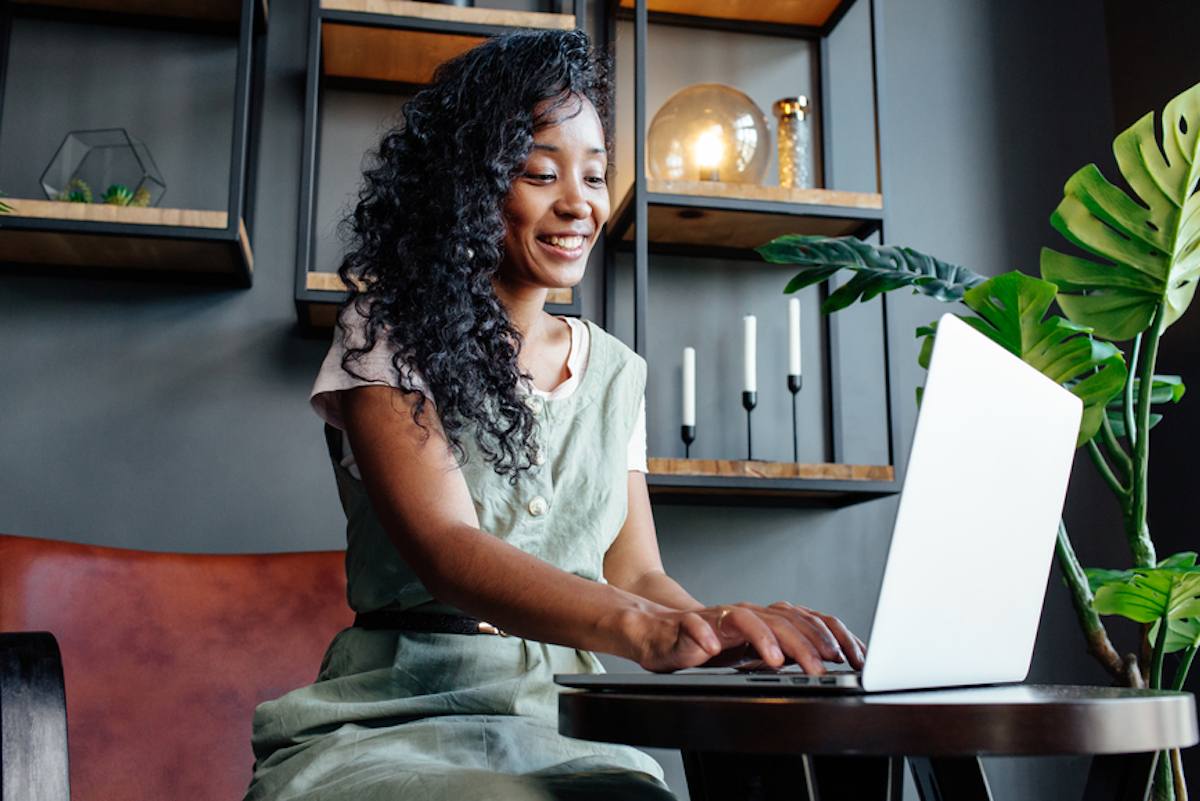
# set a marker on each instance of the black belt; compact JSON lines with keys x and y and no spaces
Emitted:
{"x":407,"y":620}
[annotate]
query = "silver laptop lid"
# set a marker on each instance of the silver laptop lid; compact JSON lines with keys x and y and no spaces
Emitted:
{"x":977,"y":520}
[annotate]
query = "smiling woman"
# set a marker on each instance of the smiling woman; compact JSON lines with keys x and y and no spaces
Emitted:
{"x":517,"y":504}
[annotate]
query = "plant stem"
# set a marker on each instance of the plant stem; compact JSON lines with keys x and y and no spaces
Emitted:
{"x":1113,"y":446}
{"x":1099,"y":645}
{"x":1136,"y":528}
{"x":1182,"y":671}
{"x":1156,"y":664}
{"x":1106,"y":472}
{"x":1181,"y":792}
{"x":1131,"y":432}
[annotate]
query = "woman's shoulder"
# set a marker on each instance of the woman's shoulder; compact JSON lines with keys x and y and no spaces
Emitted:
{"x":615,"y":349}
{"x":353,"y":360}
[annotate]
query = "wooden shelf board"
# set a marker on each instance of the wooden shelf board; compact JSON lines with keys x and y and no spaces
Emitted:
{"x":741,"y":468}
{"x":165,"y":252}
{"x":725,"y":190}
{"x":725,"y":223}
{"x":813,"y":13}
{"x":449,"y":13}
{"x":108,"y":213}
{"x":202,"y":10}
{"x":387,"y":54}
{"x":408,"y":56}
{"x":141,"y":253}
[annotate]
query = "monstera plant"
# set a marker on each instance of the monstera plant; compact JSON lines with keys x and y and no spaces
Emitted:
{"x":1133,"y":274}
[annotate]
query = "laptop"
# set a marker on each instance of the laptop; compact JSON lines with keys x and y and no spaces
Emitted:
{"x":972,"y":542}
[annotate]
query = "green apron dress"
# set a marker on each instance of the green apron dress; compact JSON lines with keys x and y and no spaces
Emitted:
{"x":400,"y":715}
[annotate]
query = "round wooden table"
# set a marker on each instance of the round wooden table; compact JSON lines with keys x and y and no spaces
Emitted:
{"x":734,"y":744}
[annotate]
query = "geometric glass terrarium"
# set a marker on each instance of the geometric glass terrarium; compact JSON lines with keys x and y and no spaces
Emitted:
{"x":104,"y":165}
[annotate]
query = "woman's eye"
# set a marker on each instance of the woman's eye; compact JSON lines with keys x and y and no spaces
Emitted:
{"x":597,"y":180}
{"x":539,"y":176}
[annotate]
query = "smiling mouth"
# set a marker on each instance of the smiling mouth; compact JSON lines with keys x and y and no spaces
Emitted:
{"x":570,"y":247}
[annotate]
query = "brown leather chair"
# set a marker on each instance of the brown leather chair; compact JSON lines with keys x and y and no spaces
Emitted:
{"x":164,"y":656}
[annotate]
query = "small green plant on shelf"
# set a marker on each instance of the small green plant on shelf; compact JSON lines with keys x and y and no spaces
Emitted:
{"x":4,"y":207}
{"x":78,"y":191}
{"x":1144,"y":265}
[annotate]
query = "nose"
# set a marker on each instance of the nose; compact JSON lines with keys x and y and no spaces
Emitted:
{"x":572,"y":202}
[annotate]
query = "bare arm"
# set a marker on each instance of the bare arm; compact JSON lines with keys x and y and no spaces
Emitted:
{"x":422,"y":500}
{"x":633,"y":561}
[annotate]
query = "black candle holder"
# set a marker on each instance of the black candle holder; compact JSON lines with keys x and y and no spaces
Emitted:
{"x":688,"y":433}
{"x":749,"y":401}
{"x":794,"y":382}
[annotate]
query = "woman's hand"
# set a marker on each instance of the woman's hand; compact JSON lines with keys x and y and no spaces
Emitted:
{"x":777,"y":633}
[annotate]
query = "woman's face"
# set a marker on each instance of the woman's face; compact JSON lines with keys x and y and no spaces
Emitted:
{"x":557,"y":207}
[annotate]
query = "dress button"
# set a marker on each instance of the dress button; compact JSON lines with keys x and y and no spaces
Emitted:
{"x":539,"y":456}
{"x":538,"y":506}
{"x":535,"y":403}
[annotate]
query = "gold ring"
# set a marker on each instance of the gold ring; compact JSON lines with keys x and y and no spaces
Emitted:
{"x":720,"y":618}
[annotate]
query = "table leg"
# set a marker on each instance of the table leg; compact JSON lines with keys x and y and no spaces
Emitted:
{"x":1120,"y":777}
{"x":713,"y":776}
{"x":791,"y":777}
{"x":859,"y":778}
{"x":950,"y":779}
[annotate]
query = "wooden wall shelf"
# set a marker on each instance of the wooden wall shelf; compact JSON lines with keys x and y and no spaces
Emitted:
{"x":391,"y":55}
{"x":220,"y":11}
{"x":96,"y":240}
{"x":413,"y":9}
{"x":806,"y":13}
{"x":758,"y":483}
{"x":154,"y":241}
{"x":743,"y":468}
{"x":401,"y":41}
{"x":724,"y":221}
{"x":385,"y":44}
{"x":730,"y":217}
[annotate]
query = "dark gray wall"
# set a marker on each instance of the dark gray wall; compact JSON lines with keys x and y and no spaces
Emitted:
{"x":177,"y":419}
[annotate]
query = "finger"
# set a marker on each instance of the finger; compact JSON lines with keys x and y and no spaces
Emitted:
{"x":699,"y":630}
{"x":797,"y":643}
{"x":850,"y":644}
{"x":755,"y":631}
{"x":828,"y":645}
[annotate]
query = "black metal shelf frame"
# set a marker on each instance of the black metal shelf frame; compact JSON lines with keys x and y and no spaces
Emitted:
{"x":251,"y":28}
{"x":745,"y":490}
{"x":315,"y":82}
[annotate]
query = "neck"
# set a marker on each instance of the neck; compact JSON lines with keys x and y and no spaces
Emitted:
{"x":525,"y":306}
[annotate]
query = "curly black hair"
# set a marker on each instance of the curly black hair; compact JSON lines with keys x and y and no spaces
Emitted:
{"x":427,"y":233}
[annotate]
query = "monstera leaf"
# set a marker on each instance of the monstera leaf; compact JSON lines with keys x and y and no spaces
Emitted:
{"x":1170,"y":590}
{"x":1150,"y":251}
{"x":1164,"y":389}
{"x":1152,"y":594}
{"x":1012,"y":309}
{"x":1098,"y":576}
{"x":877,"y":270}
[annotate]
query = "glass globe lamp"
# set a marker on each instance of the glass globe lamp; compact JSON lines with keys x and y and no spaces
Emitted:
{"x":708,"y":132}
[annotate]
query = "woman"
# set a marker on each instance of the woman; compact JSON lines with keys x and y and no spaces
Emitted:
{"x":490,"y":458}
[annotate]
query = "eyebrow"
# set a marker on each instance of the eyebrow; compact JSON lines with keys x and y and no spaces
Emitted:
{"x":554,"y":149}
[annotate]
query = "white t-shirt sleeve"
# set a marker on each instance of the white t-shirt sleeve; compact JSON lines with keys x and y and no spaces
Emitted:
{"x":637,"y":441}
{"x":375,"y":367}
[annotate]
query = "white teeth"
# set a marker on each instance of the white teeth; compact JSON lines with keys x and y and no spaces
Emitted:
{"x":566,"y":242}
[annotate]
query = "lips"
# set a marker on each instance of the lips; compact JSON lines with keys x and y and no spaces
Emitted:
{"x":563,"y":246}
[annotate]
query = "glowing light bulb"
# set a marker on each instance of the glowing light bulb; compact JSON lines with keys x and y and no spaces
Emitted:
{"x":709,"y":152}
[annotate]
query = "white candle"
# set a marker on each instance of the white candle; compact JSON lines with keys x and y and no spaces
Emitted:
{"x":750,"y":331}
{"x":794,"y":336}
{"x":689,"y":386}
